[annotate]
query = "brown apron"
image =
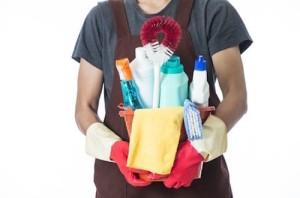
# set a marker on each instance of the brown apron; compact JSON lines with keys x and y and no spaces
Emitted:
{"x":110,"y":183}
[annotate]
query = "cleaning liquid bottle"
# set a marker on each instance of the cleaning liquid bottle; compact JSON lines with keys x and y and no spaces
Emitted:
{"x":174,"y":83}
{"x":129,"y":90}
{"x":199,"y":87}
{"x":143,"y":75}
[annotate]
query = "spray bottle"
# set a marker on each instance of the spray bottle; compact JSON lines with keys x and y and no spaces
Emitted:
{"x":143,"y":75}
{"x":199,"y":87}
{"x":129,"y":90}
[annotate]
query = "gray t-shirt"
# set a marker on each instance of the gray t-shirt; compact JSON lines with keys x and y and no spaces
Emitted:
{"x":214,"y":25}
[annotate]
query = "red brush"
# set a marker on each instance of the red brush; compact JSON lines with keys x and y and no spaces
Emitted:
{"x":160,"y":24}
{"x":159,"y":53}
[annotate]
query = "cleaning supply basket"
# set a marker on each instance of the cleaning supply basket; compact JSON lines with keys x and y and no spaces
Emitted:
{"x":155,"y":133}
{"x":128,"y":115}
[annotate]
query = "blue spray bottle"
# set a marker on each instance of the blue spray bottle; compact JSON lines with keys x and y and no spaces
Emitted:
{"x":129,"y":90}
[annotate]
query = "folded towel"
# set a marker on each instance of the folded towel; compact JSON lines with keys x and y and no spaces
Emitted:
{"x":154,"y":139}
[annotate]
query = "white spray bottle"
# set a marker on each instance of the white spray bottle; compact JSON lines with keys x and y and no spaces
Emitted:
{"x":143,"y":73}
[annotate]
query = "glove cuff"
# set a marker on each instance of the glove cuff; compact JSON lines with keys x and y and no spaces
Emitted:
{"x":99,"y":140}
{"x":214,"y":141}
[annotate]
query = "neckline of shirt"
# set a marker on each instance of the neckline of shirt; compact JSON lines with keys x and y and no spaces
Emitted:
{"x":140,"y":12}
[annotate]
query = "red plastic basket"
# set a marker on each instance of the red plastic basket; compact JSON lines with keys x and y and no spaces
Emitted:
{"x":128,"y":116}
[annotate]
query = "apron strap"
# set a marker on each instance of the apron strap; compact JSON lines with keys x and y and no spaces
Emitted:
{"x":184,"y":12}
{"x":121,"y":23}
{"x":119,"y":14}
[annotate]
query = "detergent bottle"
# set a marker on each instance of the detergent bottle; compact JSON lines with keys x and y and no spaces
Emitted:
{"x":199,"y":87}
{"x":129,"y":90}
{"x":143,"y":75}
{"x":174,"y":83}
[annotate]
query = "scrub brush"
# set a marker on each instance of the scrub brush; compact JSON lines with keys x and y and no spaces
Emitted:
{"x":192,"y":121}
{"x":159,"y":53}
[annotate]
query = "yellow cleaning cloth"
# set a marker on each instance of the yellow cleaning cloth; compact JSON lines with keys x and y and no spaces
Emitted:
{"x":154,"y":139}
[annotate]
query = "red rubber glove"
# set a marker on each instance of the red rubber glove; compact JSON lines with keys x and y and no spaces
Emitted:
{"x":119,"y":154}
{"x":186,"y":166}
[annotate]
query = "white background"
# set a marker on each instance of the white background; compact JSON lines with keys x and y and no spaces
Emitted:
{"x":41,"y":149}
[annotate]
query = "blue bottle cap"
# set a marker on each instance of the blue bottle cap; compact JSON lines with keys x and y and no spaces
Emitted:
{"x":200,"y":64}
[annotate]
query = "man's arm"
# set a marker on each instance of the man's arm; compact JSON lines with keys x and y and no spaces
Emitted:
{"x":99,"y":138}
{"x":230,"y":73}
{"x":89,"y":87}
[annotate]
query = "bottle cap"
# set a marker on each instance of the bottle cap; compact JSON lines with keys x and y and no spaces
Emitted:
{"x":172,"y":66}
{"x":200,"y":64}
{"x":140,"y":52}
{"x":124,"y":69}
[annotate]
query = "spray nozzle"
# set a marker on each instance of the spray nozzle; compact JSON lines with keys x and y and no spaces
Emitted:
{"x":124,"y":69}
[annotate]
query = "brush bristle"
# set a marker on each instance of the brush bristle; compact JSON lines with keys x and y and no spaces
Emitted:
{"x":172,"y":31}
{"x":150,"y":29}
{"x":166,"y":25}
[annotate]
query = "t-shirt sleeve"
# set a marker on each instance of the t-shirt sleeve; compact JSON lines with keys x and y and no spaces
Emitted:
{"x":226,"y":28}
{"x":88,"y":45}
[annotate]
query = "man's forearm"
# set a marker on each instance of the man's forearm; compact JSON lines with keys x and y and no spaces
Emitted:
{"x":231,"y":109}
{"x":85,"y":117}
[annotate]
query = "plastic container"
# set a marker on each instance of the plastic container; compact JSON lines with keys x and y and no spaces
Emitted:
{"x":129,"y":90}
{"x":199,"y":87}
{"x":174,"y":83}
{"x":143,"y":75}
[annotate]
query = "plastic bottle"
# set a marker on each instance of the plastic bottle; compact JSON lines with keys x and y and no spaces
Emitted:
{"x":129,"y":90}
{"x":174,"y":83}
{"x":199,"y":87}
{"x":143,"y":75}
